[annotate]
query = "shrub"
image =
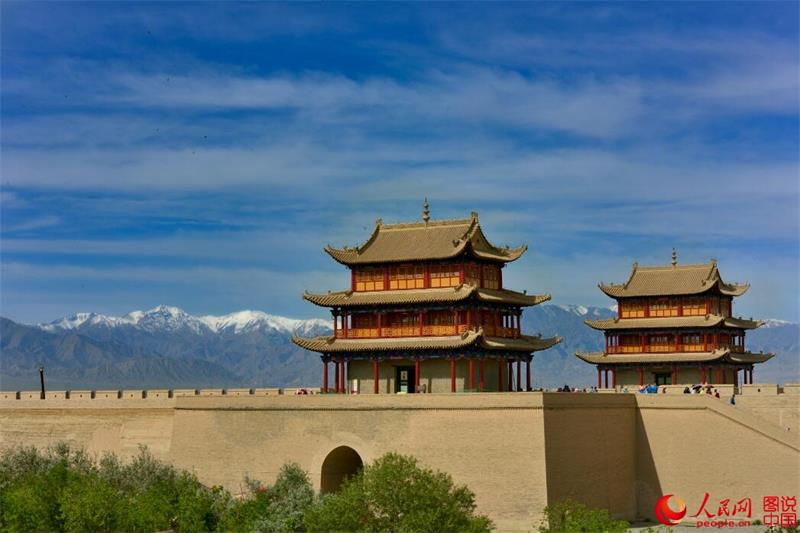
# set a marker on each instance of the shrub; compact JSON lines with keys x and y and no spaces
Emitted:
{"x":395,"y":494}
{"x":570,"y":516}
{"x":61,"y":489}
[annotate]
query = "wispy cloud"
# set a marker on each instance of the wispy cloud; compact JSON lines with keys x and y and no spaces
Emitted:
{"x":171,"y":148}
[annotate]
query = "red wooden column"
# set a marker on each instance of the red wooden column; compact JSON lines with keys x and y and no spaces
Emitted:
{"x":380,"y":323}
{"x":751,"y":375}
{"x":641,"y":376}
{"x":674,"y":375}
{"x":324,"y":376}
{"x":599,"y":377}
{"x":702,"y":374}
{"x":719,"y":377}
{"x":453,"y":374}
{"x":470,"y":374}
{"x":376,"y":376}
{"x":417,"y":368}
{"x":336,"y":376}
{"x":614,"y":378}
{"x":519,"y":375}
{"x":481,"y":374}
{"x":421,"y":317}
{"x":343,"y":387}
{"x":499,"y":375}
{"x":510,"y":370}
{"x":335,"y":324}
{"x":528,"y":374}
{"x":724,"y":376}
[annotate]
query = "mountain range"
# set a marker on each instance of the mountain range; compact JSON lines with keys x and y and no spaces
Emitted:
{"x":166,"y":347}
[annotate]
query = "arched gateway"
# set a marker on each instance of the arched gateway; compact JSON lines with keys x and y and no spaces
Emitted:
{"x":342,"y":463}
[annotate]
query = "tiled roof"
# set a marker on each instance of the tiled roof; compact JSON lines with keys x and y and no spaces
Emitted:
{"x":722,"y":355}
{"x":673,"y":280}
{"x":413,"y":296}
{"x":417,"y":241}
{"x":706,"y":321}
{"x":329,"y":344}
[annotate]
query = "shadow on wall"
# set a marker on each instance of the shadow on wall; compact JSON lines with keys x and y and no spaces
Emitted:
{"x":648,"y":486}
{"x":340,"y":464}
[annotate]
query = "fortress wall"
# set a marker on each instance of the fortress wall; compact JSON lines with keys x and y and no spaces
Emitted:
{"x":494,"y":443}
{"x":591,"y":450}
{"x":517,"y":451}
{"x":692,"y":444}
{"x":779,"y":406}
{"x":100,"y":425}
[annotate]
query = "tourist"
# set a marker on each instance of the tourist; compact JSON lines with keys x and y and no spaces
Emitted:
{"x":716,"y":393}
{"x":686,"y":390}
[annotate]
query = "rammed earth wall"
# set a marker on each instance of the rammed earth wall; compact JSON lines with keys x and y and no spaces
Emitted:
{"x":517,"y":451}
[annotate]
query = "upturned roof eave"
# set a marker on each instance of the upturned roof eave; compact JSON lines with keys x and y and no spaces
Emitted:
{"x":455,"y":294}
{"x":328,"y":344}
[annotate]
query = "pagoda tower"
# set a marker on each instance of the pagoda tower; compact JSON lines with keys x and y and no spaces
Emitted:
{"x":674,"y":325}
{"x":426,"y":311}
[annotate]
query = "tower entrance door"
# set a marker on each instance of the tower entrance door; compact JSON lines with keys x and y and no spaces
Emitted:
{"x":404,"y":379}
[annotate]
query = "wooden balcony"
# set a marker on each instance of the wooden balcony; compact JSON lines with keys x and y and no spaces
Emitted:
{"x":667,"y":348}
{"x":414,"y":331}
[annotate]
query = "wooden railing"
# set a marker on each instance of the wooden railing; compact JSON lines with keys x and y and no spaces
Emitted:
{"x":414,"y":331}
{"x":665,"y":348}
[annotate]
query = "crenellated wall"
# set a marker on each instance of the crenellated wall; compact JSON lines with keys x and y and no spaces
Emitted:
{"x":517,"y":451}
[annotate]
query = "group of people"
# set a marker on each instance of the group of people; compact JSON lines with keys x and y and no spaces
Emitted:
{"x":702,"y":389}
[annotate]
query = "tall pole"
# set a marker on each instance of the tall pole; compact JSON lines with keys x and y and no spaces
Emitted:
{"x":417,"y":368}
{"x":324,"y":376}
{"x":376,"y":372}
{"x":519,"y":375}
{"x":41,"y":380}
{"x":481,"y":374}
{"x":336,"y":376}
{"x":453,"y":374}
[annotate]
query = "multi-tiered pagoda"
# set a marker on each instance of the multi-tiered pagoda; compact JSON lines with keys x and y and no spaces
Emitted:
{"x":674,"y":325}
{"x":426,"y":311}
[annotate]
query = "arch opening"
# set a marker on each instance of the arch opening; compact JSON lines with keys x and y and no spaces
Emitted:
{"x":340,"y":464}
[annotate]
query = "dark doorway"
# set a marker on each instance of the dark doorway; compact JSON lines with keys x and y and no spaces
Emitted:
{"x":342,"y":463}
{"x":404,"y":379}
{"x":663,"y":378}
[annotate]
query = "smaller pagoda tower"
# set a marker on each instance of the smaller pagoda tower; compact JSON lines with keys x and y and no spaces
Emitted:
{"x":674,"y":325}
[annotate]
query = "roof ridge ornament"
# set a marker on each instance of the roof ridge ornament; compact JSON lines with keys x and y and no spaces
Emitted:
{"x":674,"y":257}
{"x":426,"y":212}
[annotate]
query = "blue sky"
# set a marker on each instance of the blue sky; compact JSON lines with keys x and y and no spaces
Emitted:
{"x":201,"y":155}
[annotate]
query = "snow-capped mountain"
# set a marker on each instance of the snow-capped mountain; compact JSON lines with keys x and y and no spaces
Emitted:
{"x":243,"y":321}
{"x":174,"y":319}
{"x":167,"y":347}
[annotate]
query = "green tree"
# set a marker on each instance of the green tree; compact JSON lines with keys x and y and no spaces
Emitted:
{"x":396,"y":494}
{"x":570,"y":516}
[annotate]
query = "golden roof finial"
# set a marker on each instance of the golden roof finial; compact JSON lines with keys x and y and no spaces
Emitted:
{"x":426,"y":212}
{"x":674,"y":257}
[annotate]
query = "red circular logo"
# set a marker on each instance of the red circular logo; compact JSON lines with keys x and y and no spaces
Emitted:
{"x":666,"y":515}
